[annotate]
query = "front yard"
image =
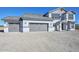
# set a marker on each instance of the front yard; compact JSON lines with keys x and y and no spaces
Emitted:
{"x":40,"y":41}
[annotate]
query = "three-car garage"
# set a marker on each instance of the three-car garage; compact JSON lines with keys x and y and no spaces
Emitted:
{"x":33,"y":27}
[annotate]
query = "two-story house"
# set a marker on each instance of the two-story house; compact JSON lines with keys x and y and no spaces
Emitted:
{"x":54,"y":20}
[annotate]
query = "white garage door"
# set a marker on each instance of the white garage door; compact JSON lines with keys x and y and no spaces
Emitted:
{"x":38,"y":26}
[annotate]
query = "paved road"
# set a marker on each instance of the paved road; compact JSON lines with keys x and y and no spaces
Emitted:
{"x":40,"y":42}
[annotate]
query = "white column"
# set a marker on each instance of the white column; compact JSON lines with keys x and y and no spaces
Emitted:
{"x":51,"y":28}
{"x":25,"y":26}
{"x":66,"y":26}
{"x":74,"y":21}
{"x":60,"y":26}
{"x":74,"y":17}
{"x":67,"y":22}
{"x":50,"y":15}
{"x":5,"y":27}
{"x":74,"y":26}
{"x":66,"y":17}
{"x":70,"y":26}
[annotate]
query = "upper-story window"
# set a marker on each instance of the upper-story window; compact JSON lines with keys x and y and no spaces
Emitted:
{"x":56,"y":16}
{"x":63,"y":16}
{"x":70,"y":16}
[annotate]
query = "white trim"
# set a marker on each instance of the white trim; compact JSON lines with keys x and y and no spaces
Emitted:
{"x":74,"y":17}
{"x":6,"y":27}
{"x":60,"y":26}
{"x":74,"y":26}
{"x":67,"y":17}
{"x":50,"y":25}
{"x":67,"y":26}
{"x":38,"y":21}
{"x":50,"y":15}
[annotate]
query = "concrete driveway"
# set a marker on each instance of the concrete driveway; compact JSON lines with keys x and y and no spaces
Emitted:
{"x":67,"y":41}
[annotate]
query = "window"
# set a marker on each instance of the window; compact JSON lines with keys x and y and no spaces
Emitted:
{"x":72,"y":25}
{"x":63,"y":16}
{"x":25,"y":22}
{"x":56,"y":16}
{"x":70,"y":16}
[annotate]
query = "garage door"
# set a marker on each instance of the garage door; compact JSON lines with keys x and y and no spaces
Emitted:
{"x":38,"y":26}
{"x":13,"y":27}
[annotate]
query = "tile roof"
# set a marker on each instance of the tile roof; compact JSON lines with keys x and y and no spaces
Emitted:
{"x":35,"y":17}
{"x":30,"y":14}
{"x":12,"y":19}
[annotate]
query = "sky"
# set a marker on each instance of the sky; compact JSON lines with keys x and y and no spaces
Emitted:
{"x":18,"y":11}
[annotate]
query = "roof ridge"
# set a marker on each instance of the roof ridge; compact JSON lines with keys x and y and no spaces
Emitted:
{"x":56,"y":9}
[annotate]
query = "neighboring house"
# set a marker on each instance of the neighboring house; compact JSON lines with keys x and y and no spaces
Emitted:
{"x":1,"y":28}
{"x":1,"y":25}
{"x":54,"y":20}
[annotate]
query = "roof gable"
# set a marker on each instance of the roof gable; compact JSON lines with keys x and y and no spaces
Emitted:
{"x":58,"y":10}
{"x":70,"y":12}
{"x":12,"y":19}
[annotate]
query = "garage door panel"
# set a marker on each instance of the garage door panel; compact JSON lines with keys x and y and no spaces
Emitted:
{"x":38,"y":26}
{"x":13,"y":27}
